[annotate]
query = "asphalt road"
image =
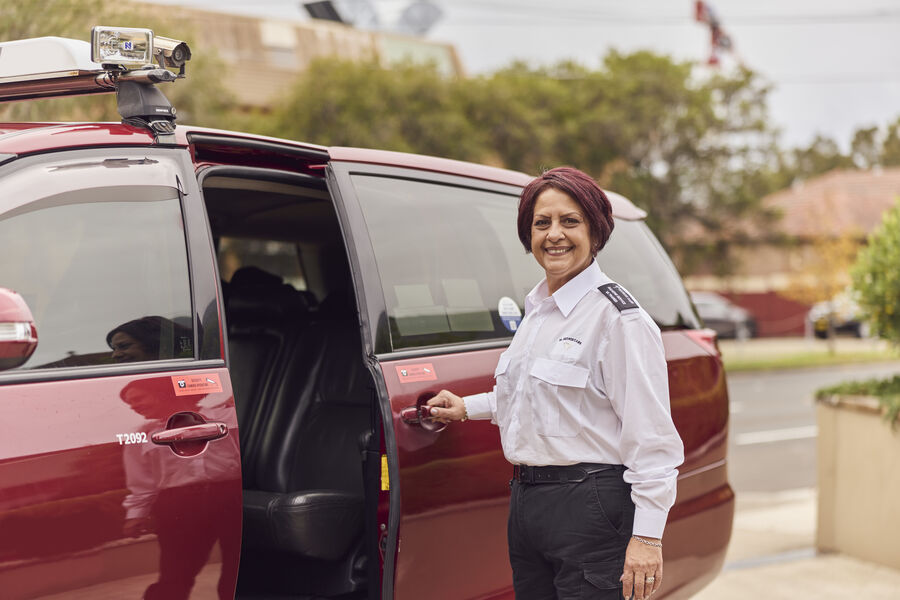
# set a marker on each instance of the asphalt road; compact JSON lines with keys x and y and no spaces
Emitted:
{"x":772,"y":442}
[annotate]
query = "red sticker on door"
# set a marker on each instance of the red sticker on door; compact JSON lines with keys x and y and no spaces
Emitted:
{"x":204,"y":383}
{"x":411,"y":373}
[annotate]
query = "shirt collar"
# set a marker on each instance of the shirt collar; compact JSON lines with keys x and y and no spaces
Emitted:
{"x":570,"y":294}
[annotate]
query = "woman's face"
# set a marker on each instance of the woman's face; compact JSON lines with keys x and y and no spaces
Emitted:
{"x":560,"y":237}
{"x":127,"y":349}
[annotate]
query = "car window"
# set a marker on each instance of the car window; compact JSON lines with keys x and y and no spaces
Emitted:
{"x":453,"y":269}
{"x":634,"y":258}
{"x":271,"y":256}
{"x":103,"y":269}
{"x":450,"y":262}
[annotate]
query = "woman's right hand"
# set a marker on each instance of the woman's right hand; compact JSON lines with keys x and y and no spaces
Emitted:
{"x":446,"y":407}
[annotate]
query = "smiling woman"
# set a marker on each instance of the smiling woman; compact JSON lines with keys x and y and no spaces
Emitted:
{"x":581,"y":384}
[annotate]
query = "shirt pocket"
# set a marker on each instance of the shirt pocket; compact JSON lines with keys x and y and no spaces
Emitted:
{"x":557,"y":396}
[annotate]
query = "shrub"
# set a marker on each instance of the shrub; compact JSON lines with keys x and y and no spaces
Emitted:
{"x":887,"y":391}
{"x":876,"y":278}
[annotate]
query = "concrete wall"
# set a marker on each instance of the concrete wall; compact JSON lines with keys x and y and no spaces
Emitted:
{"x":859,"y":481}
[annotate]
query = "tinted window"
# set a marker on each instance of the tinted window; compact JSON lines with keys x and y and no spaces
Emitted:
{"x":447,"y":257}
{"x":634,"y":258}
{"x":269,"y":255}
{"x":104,"y":271}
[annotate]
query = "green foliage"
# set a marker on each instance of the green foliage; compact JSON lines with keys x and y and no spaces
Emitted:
{"x":695,"y":153}
{"x":876,"y":277}
{"x":887,"y":391}
{"x":406,"y":108}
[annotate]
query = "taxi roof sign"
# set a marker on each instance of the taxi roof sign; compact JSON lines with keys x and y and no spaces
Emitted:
{"x":44,"y":57}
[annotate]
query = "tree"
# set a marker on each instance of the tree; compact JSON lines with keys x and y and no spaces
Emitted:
{"x":406,"y":108}
{"x":826,"y":261}
{"x":890,"y":147}
{"x":865,"y":150}
{"x":876,"y":278}
{"x":821,"y":156}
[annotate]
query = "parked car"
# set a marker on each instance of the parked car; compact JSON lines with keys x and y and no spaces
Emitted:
{"x":215,"y":349}
{"x":720,"y":314}
{"x":840,"y":316}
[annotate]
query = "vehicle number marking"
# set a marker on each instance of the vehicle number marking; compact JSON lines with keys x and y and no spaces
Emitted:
{"x":132,"y":438}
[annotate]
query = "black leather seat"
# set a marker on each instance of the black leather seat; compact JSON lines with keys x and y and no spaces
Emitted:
{"x":265,"y":318}
{"x":309,"y":494}
{"x":303,"y":399}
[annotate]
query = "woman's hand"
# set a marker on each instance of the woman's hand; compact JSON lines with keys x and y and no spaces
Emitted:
{"x":643,"y":569}
{"x":447,"y":407}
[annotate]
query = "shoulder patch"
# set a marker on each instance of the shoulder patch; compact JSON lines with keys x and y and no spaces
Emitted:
{"x":616,"y":294}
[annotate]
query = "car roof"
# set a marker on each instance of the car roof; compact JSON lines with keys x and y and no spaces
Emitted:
{"x":29,"y":138}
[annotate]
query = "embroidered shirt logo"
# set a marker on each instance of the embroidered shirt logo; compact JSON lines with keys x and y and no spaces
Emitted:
{"x":568,"y":341}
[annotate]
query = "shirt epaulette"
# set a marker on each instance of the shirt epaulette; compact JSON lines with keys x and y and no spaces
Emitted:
{"x":616,"y":294}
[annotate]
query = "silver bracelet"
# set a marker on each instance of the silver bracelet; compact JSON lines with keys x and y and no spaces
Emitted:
{"x":648,"y":542}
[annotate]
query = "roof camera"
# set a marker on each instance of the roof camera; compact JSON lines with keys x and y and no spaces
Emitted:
{"x":171,"y":53}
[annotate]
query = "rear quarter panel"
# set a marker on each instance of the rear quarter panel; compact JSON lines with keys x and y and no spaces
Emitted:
{"x":699,"y":525}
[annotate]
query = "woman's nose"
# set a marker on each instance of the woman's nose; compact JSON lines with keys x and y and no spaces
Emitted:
{"x":555,"y":233}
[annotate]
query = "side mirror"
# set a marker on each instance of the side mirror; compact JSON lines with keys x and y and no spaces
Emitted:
{"x":18,"y":335}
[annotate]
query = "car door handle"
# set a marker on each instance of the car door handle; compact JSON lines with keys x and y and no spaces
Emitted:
{"x":192,"y":433}
{"x":421,"y":415}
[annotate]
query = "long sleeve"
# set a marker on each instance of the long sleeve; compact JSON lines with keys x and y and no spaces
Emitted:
{"x":633,"y":367}
{"x":482,"y":406}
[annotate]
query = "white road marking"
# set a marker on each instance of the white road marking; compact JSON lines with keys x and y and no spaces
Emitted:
{"x":776,"y":435}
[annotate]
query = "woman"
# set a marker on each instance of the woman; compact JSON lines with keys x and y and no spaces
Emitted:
{"x":582,"y":403}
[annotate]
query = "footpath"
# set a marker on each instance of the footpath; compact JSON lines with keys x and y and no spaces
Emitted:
{"x":772,"y":554}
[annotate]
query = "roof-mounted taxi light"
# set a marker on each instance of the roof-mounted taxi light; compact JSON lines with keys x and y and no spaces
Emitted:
{"x":121,"y":46}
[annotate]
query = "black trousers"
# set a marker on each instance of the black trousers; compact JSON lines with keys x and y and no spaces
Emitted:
{"x":567,"y":541}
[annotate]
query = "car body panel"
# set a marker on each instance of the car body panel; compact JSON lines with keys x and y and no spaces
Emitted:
{"x":68,"y":477}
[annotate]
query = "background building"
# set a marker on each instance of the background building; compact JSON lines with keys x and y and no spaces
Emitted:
{"x":821,"y":216}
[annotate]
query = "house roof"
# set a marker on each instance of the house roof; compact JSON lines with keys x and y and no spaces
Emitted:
{"x":838,"y":202}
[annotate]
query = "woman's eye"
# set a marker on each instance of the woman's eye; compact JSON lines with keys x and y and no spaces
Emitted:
{"x":541,"y":223}
{"x":572,"y":221}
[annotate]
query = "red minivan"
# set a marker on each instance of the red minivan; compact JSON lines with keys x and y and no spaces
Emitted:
{"x":213,"y":347}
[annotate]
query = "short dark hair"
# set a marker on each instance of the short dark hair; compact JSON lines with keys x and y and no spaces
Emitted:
{"x":582,"y":189}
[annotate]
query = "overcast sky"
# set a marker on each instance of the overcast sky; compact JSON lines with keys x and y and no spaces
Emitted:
{"x":835,"y":64}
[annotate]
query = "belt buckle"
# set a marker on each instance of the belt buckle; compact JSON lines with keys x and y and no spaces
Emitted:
{"x":523,"y":474}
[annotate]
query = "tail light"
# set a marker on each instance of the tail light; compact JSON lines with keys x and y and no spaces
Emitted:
{"x":706,"y":339}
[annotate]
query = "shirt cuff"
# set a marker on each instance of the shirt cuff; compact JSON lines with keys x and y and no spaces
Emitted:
{"x":478,"y":406}
{"x":649,"y":522}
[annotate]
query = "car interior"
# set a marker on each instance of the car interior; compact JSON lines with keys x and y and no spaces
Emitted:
{"x":304,"y":397}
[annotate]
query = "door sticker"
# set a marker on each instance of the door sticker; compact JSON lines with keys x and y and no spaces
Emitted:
{"x":420,"y":372}
{"x":509,"y":313}
{"x":204,"y":383}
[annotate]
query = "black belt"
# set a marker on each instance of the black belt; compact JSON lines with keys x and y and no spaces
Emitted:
{"x":555,"y":474}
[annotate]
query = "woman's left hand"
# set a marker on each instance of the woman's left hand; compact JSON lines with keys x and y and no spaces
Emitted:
{"x":643,"y":570}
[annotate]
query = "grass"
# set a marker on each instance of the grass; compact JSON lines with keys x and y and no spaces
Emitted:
{"x":795,"y":360}
{"x":887,"y":391}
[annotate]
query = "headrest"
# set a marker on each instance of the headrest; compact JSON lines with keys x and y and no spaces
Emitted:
{"x":257,"y":297}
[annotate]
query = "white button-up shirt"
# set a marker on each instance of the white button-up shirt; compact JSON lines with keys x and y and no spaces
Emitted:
{"x":583,"y":381}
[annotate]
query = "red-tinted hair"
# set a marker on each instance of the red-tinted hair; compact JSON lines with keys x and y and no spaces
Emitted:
{"x":582,"y":189}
